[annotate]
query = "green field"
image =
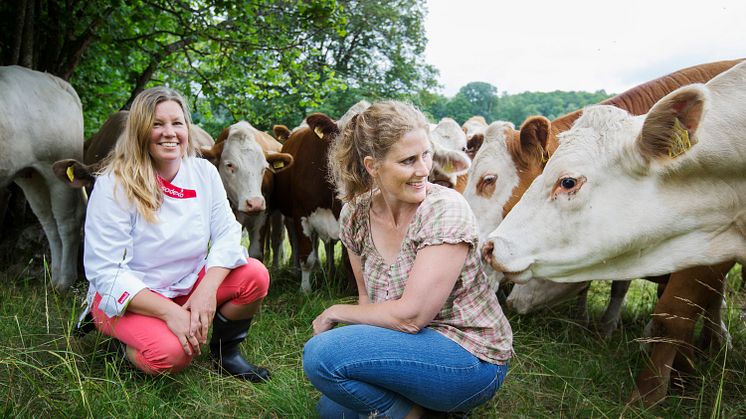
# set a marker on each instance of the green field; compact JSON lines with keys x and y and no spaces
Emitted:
{"x":561,"y":369}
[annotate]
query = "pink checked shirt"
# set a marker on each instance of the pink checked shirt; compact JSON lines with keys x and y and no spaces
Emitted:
{"x":471,"y":316}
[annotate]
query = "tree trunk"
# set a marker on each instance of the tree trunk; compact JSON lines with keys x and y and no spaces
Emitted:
{"x":26,"y":57}
{"x":15,"y":49}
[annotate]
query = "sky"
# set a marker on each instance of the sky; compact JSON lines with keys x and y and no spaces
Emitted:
{"x":545,"y":45}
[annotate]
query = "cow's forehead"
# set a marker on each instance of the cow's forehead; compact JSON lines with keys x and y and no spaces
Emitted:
{"x":490,"y":155}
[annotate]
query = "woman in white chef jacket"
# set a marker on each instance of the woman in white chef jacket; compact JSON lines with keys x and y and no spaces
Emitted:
{"x":162,"y":248}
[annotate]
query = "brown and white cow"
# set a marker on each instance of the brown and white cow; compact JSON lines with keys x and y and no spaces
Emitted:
{"x":474,"y":128}
{"x":450,"y":162}
{"x":625,"y":196}
{"x":247,"y":160}
{"x":500,"y":174}
{"x":305,"y":195}
{"x":42,"y":122}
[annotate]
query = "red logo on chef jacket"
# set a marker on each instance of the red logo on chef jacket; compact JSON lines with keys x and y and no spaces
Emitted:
{"x":174,"y":191}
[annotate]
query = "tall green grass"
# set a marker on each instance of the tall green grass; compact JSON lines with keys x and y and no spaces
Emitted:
{"x":561,"y":368}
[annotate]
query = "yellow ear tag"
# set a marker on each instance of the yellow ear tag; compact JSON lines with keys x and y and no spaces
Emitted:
{"x":278,"y":164}
{"x":70,"y":174}
{"x":542,"y":154}
{"x":680,"y":141}
{"x":448,"y":168}
{"x":319,"y":132}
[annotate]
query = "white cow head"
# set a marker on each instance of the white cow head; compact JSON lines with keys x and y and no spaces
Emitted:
{"x":242,"y":164}
{"x":624,"y":197}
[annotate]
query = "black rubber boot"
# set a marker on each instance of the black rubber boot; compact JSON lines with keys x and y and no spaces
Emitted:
{"x":227,"y":336}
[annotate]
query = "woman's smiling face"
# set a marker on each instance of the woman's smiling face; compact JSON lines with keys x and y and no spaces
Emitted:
{"x":169,"y":136}
{"x":402,"y":174}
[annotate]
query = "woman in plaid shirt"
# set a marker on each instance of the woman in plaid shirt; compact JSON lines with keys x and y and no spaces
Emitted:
{"x":427,"y":334}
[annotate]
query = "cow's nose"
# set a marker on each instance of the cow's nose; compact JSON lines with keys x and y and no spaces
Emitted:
{"x":254,"y":205}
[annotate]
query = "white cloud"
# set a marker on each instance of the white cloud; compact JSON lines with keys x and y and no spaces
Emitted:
{"x":539,"y":45}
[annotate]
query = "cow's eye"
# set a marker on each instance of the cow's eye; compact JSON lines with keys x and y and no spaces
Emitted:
{"x":568,"y":183}
{"x":568,"y":186}
{"x":489,"y":179}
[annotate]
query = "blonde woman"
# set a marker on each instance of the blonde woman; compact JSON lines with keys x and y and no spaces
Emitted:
{"x":427,"y":334}
{"x":162,"y":248}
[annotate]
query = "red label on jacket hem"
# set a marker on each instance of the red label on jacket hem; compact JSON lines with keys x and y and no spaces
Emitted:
{"x":123,"y":297}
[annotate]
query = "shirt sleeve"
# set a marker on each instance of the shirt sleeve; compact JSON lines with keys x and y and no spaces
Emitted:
{"x":447,"y":219}
{"x":226,"y":250}
{"x":349,"y":229}
{"x":108,"y":247}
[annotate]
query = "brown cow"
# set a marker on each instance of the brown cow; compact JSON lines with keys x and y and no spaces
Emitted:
{"x":305,"y":196}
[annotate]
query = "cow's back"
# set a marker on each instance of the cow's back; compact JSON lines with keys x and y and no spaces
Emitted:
{"x":104,"y":140}
{"x":639,"y":99}
{"x":41,"y":120}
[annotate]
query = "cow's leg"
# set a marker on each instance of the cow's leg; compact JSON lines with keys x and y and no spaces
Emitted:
{"x":307,"y":253}
{"x":293,"y":235}
{"x":610,"y":319}
{"x":329,"y":249}
{"x":674,"y":318}
{"x":580,"y":311}
{"x":277,"y":237}
{"x":715,"y":334}
{"x":60,"y":213}
{"x":253,"y":225}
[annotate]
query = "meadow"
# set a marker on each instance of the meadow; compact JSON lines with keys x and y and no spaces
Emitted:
{"x":561,"y":367}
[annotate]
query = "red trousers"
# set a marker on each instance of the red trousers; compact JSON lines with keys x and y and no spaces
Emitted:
{"x":157,"y":349}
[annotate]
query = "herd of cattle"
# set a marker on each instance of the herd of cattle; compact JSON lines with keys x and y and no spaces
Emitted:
{"x":650,"y":183}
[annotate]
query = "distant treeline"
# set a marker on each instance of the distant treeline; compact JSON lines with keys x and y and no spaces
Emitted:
{"x":479,"y":98}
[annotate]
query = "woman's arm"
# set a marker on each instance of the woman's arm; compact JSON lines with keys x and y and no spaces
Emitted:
{"x":357,"y":270}
{"x":431,"y":280}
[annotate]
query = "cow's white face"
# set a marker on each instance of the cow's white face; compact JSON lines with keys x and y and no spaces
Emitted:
{"x":493,"y":176}
{"x":242,"y":166}
{"x":596,"y":212}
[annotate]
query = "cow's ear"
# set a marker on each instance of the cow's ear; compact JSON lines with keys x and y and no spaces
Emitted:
{"x":451,"y":162}
{"x":534,"y":136}
{"x":282,"y":133}
{"x":670,"y":127}
{"x":213,"y":153}
{"x":323,"y":126}
{"x":73,"y":173}
{"x":279,"y":161}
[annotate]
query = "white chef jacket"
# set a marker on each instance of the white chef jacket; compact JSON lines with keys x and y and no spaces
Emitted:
{"x":124,"y":253}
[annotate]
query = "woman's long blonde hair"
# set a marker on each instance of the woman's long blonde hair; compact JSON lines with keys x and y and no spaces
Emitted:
{"x":370,"y":133}
{"x":130,"y":161}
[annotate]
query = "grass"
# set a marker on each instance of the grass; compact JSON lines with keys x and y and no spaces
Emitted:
{"x":561,"y":369}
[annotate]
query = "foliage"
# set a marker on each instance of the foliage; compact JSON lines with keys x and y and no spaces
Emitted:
{"x":266,"y":61}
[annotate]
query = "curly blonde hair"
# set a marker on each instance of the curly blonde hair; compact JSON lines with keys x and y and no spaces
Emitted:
{"x":370,"y":133}
{"x":130,"y":161}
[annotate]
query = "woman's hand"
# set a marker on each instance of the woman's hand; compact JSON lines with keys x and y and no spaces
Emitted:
{"x":201,"y":305}
{"x":324,"y":321}
{"x":178,"y":320}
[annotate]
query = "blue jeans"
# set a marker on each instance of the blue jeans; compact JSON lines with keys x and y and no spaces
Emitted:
{"x":363,"y":370}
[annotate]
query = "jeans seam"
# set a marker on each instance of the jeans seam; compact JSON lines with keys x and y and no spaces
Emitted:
{"x":491,"y":384}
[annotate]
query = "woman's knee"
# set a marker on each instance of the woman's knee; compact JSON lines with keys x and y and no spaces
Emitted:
{"x":315,"y":356}
{"x":166,"y":357}
{"x":255,"y":278}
